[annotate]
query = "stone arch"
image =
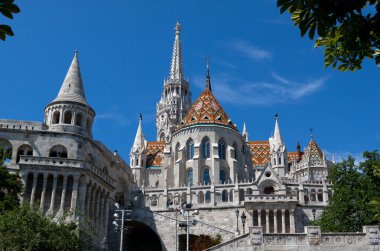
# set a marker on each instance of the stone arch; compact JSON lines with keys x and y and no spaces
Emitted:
{"x":206,"y":179}
{"x":231,"y":195}
{"x":24,"y":150}
{"x":67,"y":117}
{"x":56,"y":117}
{"x":235,"y":150}
{"x":6,"y":148}
{"x":268,"y":186}
{"x":138,"y":234}
{"x":190,"y":149}
{"x":58,"y":151}
{"x":79,"y":119}
{"x":162,"y":136}
{"x":224,"y":196}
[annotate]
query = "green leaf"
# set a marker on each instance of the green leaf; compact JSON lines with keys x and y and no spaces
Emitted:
{"x":6,"y":13}
{"x":6,"y":29}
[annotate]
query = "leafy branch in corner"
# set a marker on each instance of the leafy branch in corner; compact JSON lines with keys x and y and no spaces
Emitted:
{"x":7,"y":9}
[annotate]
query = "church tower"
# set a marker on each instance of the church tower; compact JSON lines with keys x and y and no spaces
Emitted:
{"x":69,"y":111}
{"x":175,"y":99}
{"x":279,"y":155}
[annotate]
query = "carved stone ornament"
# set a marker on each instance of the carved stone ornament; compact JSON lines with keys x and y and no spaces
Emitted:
{"x":256,"y":237}
{"x":314,"y":236}
{"x":373,"y":236}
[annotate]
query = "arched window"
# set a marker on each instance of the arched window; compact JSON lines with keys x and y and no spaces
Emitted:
{"x":56,"y":117}
{"x":206,"y":176}
{"x":235,"y":147}
{"x":279,"y":160}
{"x":24,"y":150}
{"x":224,"y":196}
{"x":268,"y":190}
{"x":222,"y":149}
{"x":162,"y":136}
{"x":58,"y":151}
{"x":274,"y":161}
{"x":208,"y":197}
{"x":190,"y":149}
{"x":205,"y":148}
{"x":320,"y":195}
{"x":78,"y":119}
{"x":67,"y":117}
{"x":190,"y":177}
{"x":313,"y":195}
{"x":222,"y":176}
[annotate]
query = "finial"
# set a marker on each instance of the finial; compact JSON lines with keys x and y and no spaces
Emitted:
{"x":311,"y":133}
{"x":140,"y":116}
{"x":177,"y":28}
{"x":76,"y":52}
{"x":276,"y":116}
{"x":208,"y":82}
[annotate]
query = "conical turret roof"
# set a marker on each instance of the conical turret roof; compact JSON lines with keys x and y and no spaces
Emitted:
{"x":140,"y":143}
{"x":72,"y":87}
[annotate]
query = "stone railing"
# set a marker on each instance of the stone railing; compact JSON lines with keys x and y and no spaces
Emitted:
{"x":271,"y":198}
{"x":20,"y":125}
{"x":311,"y":239}
{"x":62,"y":162}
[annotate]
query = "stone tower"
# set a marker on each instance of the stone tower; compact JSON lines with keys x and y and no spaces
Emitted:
{"x":176,"y":96}
{"x":279,"y":159}
{"x":69,"y":111}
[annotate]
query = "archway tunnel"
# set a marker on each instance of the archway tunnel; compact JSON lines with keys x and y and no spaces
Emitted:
{"x":140,"y":237}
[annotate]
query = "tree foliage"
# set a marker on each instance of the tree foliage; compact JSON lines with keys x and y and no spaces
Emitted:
{"x":349,"y":30}
{"x":27,"y":229}
{"x":199,"y":243}
{"x":354,"y":187}
{"x":7,"y":9}
{"x":10,"y":186}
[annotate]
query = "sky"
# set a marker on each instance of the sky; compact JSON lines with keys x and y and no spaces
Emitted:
{"x":259,"y":66}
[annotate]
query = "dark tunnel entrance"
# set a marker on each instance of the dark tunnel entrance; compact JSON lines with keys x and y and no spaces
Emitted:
{"x":140,"y":237}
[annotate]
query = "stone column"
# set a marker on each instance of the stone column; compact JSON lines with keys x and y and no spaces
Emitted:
{"x":292,"y":225}
{"x":63,"y":197}
{"x":88,"y":200}
{"x":259,"y":218}
{"x":92,"y":202}
{"x":52,"y":199}
{"x":267,"y":221}
{"x":74,"y":194}
{"x":275,"y":221}
{"x":33,"y":193}
{"x":101,"y":211}
{"x":283,"y":221}
{"x":106,"y":211}
{"x":43,"y":193}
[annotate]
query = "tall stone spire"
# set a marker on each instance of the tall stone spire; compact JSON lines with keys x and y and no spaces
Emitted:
{"x":139,"y":143}
{"x":208,"y":80}
{"x":244,"y":133}
{"x":279,"y":155}
{"x":72,"y":87}
{"x":277,"y":141}
{"x":176,"y":69}
{"x":175,"y":99}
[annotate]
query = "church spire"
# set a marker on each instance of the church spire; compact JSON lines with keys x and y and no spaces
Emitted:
{"x":72,"y":87}
{"x":276,"y":141}
{"x":208,"y":82}
{"x":176,"y":69}
{"x":244,"y":133}
{"x":139,"y":143}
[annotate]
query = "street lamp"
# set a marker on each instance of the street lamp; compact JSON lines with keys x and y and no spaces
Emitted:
{"x":243,"y":218}
{"x":313,"y":211}
{"x":185,"y":211}
{"x":120,"y":227}
{"x":237,"y":232}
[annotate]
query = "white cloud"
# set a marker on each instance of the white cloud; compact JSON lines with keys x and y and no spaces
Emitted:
{"x":249,"y":50}
{"x":113,"y":115}
{"x":342,"y":155}
{"x":280,"y":90}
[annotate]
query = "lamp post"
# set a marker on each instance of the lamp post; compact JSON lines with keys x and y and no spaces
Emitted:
{"x":185,"y":211}
{"x":243,"y":218}
{"x":313,"y":211}
{"x":237,"y":232}
{"x":120,"y":227}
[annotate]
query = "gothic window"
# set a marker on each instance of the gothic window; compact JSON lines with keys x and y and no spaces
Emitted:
{"x":67,"y":117}
{"x":208,"y":197}
{"x":313,"y":195}
{"x":241,"y":194}
{"x":205,"y":148}
{"x":279,"y":160}
{"x":78,"y":119}
{"x":190,"y":177}
{"x":190,"y":149}
{"x":206,"y":176}
{"x":224,"y":196}
{"x":222,"y":176}
{"x":222,"y":149}
{"x":320,"y":195}
{"x":235,"y":147}
{"x":56,"y":116}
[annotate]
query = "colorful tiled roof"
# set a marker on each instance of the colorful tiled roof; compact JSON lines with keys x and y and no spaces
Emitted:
{"x":260,"y":151}
{"x":154,"y":154}
{"x":291,"y":156}
{"x":206,"y":110}
{"x":314,"y":152}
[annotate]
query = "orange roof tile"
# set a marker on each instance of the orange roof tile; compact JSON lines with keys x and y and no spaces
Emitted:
{"x":206,"y":110}
{"x":260,"y":151}
{"x":154,"y":153}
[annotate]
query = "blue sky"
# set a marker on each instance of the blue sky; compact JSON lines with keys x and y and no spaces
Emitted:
{"x":259,"y":66}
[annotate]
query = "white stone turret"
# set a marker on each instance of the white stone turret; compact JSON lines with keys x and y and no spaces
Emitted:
{"x":138,"y":155}
{"x":244,"y":133}
{"x":69,"y":111}
{"x":279,"y":156}
{"x":175,"y":99}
